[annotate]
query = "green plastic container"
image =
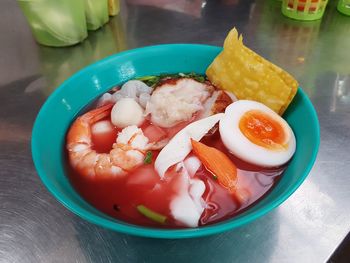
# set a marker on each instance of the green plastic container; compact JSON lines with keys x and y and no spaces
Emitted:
{"x":304,"y":9}
{"x":96,"y":12}
{"x":55,"y":23}
{"x":344,"y":7}
{"x":82,"y":88}
{"x":113,"y":7}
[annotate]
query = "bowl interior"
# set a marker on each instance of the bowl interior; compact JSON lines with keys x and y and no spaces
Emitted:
{"x":82,"y":88}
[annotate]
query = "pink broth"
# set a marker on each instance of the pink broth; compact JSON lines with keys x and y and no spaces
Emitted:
{"x":119,"y":196}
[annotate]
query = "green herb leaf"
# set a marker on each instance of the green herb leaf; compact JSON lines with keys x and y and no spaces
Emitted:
{"x":151,"y":214}
{"x":170,"y":76}
{"x":153,"y":81}
{"x":195,"y":76}
{"x":148,"y":157}
{"x":215,"y":177}
{"x":200,"y":78}
{"x":150,"y":81}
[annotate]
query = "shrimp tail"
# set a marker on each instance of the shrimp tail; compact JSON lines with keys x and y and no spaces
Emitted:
{"x":80,"y":130}
{"x":97,"y":114}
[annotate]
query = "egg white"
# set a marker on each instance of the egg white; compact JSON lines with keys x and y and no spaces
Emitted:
{"x":236,"y":142}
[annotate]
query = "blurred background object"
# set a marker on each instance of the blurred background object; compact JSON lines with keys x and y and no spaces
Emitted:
{"x":96,"y":12}
{"x":344,"y":7}
{"x":65,"y":22}
{"x":304,"y":9}
{"x":55,"y":23}
{"x":113,"y":7}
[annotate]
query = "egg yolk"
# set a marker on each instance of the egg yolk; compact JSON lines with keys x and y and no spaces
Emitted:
{"x":261,"y":129}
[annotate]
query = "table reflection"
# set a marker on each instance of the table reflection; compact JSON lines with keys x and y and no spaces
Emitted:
{"x":57,"y":64}
{"x":192,"y":8}
{"x":334,"y":55}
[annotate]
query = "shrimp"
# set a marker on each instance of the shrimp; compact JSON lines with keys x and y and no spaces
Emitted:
{"x":127,"y":152}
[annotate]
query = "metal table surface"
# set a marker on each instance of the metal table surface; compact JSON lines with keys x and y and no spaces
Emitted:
{"x":308,"y":227}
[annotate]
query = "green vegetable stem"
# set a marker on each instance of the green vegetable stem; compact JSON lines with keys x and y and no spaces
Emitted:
{"x":151,"y":214}
{"x":148,"y":157}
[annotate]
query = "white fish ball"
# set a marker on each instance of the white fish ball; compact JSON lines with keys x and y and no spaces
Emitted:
{"x":127,"y":112}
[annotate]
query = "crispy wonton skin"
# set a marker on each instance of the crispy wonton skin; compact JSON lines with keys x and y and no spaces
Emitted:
{"x":249,"y":76}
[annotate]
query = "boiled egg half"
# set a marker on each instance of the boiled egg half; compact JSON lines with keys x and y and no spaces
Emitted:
{"x":256,"y":134}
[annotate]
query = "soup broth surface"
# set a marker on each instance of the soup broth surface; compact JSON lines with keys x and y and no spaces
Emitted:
{"x":119,"y":197}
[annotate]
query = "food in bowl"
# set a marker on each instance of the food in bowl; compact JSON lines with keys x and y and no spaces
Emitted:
{"x":178,"y":150}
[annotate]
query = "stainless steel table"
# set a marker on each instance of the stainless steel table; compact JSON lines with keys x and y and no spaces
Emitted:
{"x":308,"y":227}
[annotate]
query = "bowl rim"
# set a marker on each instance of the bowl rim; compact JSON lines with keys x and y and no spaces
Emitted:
{"x":147,"y":231}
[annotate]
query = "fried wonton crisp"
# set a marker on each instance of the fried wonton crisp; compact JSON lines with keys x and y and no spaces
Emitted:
{"x":251,"y":77}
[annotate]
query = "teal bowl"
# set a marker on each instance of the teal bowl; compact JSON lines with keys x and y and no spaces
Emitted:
{"x":84,"y":87}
